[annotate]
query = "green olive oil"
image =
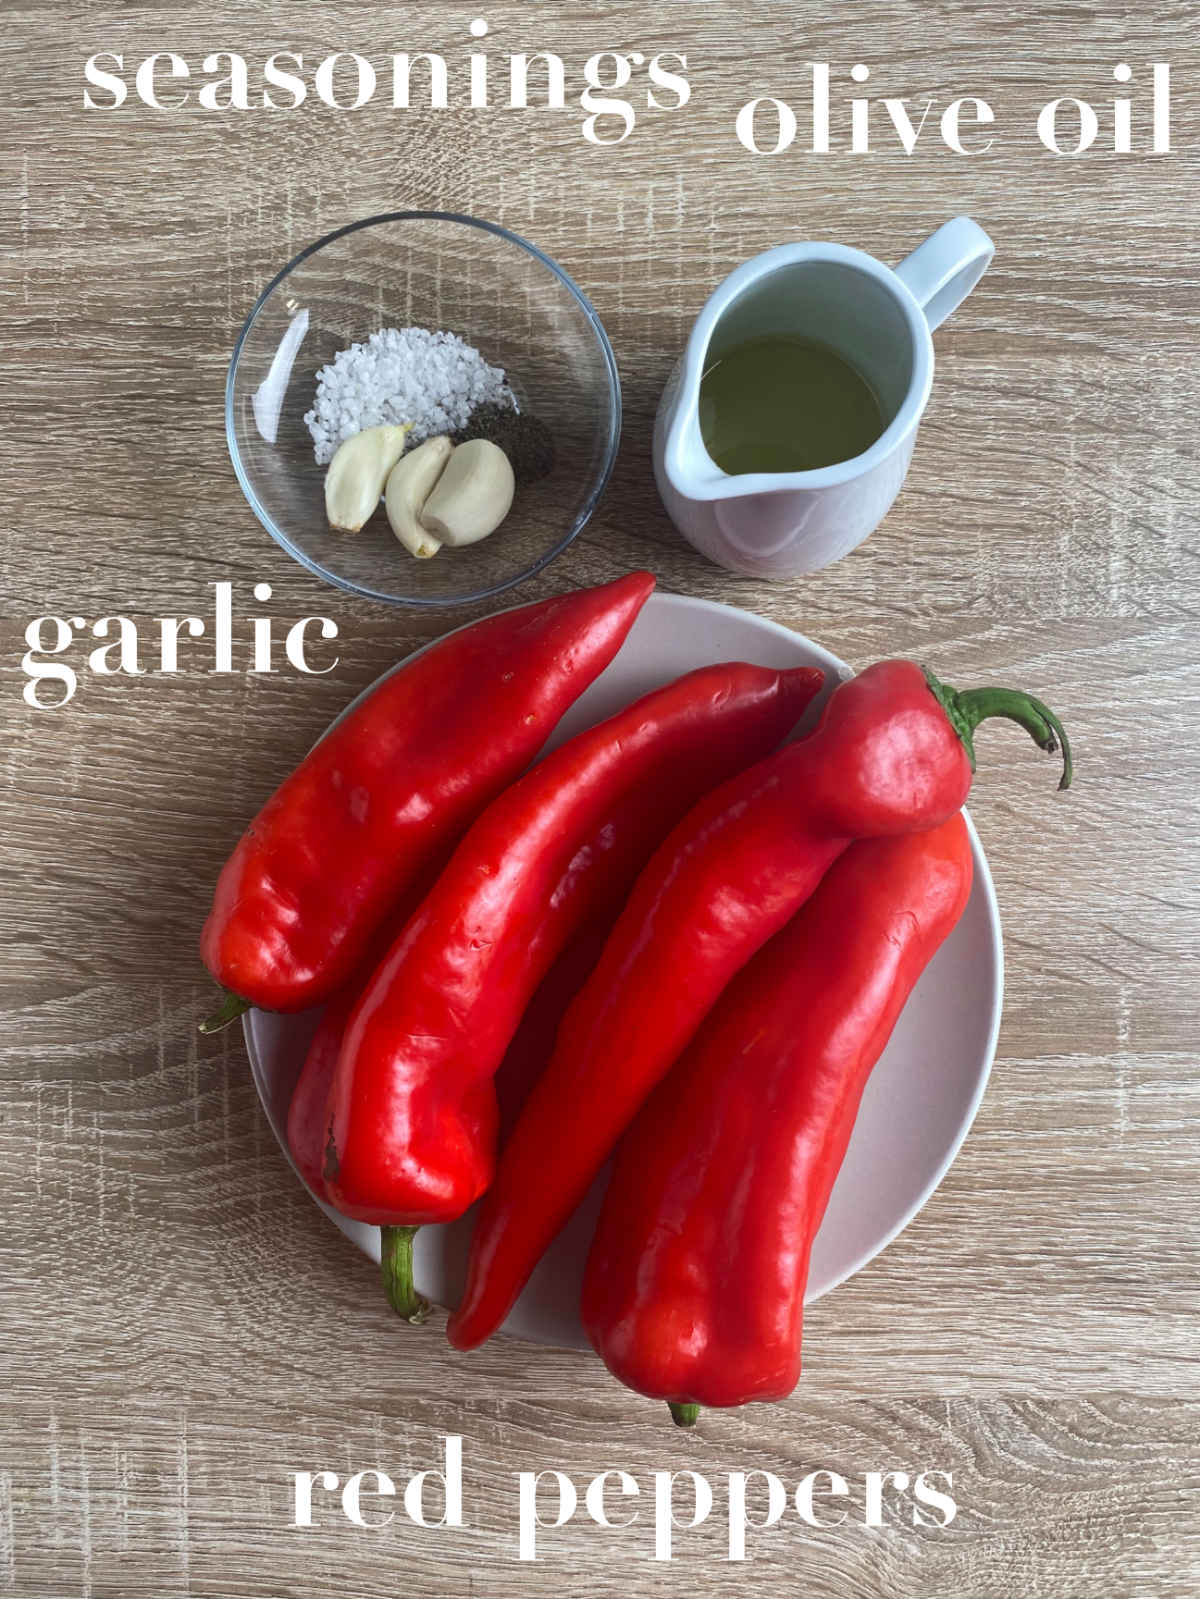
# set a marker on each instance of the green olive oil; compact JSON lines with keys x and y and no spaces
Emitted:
{"x":785,"y":404}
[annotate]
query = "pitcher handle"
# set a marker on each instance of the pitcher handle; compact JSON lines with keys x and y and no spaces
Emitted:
{"x":943,"y":271}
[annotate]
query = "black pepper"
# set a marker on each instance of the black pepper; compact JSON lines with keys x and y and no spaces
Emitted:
{"x":526,"y":440}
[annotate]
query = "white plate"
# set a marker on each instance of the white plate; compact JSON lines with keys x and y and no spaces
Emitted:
{"x":921,"y":1098}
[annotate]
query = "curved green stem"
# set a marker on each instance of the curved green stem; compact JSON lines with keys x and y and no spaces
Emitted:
{"x":233,"y":1007}
{"x":966,"y":708}
{"x":396,"y":1262}
{"x":683,"y":1412}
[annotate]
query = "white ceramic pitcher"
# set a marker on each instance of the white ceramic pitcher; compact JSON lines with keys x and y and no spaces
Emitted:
{"x":779,"y":524}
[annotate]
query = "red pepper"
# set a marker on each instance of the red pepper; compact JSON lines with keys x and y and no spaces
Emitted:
{"x":694,"y":1290}
{"x":525,"y":1058}
{"x":892,"y":754}
{"x":307,"y":1121}
{"x":412,"y":1111}
{"x":397,"y":780}
{"x":533,"y":1042}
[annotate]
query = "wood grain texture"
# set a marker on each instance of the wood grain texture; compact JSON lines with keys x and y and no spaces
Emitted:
{"x":181,"y":1329}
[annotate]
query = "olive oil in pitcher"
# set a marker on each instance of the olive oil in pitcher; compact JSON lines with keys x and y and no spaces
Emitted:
{"x":785,"y":404}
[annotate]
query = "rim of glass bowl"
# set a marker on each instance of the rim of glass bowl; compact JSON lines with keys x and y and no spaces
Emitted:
{"x":438,"y":602}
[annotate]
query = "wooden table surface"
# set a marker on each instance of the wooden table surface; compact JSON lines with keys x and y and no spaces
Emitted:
{"x":181,"y":1328}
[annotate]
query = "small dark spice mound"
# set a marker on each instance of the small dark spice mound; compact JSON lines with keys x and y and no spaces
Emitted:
{"x":526,"y":440}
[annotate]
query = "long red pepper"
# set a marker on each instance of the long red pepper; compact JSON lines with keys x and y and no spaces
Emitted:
{"x":307,"y":1121}
{"x":396,"y":781}
{"x":694,"y":1289}
{"x":533,"y":1042}
{"x":893,"y":754}
{"x":412,"y":1109}
{"x":306,"y":1134}
{"x":525,"y":1057}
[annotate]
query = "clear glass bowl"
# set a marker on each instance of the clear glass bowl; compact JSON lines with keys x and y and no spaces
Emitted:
{"x":435,"y":270}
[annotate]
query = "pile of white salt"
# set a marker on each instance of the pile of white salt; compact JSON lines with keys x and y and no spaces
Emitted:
{"x":433,"y":380}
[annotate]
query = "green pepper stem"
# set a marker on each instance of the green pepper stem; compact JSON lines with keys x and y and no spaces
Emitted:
{"x":683,"y":1412}
{"x":396,"y":1262}
{"x":966,"y":708}
{"x":233,"y":1007}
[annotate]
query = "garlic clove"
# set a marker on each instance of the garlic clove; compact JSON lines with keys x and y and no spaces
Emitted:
{"x":355,"y":478}
{"x":473,"y":495}
{"x":408,"y":487}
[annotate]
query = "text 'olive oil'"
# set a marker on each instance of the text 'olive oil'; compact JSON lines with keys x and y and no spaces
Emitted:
{"x":785,"y":404}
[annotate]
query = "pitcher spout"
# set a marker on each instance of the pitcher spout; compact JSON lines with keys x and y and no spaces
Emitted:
{"x":686,"y":463}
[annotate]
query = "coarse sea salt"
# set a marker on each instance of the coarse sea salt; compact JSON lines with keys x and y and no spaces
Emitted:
{"x":433,"y":380}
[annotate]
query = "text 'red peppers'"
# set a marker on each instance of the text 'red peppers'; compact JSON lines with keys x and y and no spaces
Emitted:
{"x":412,"y":1107}
{"x":694,"y":1289}
{"x":892,"y":754}
{"x":393,"y":784}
